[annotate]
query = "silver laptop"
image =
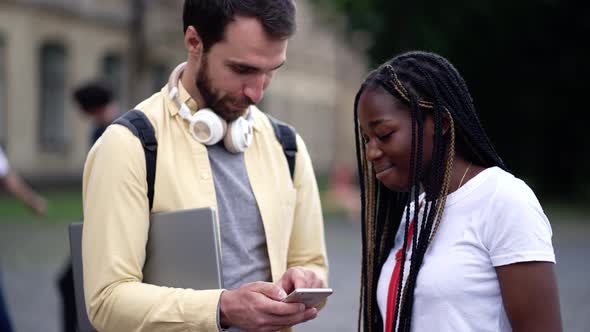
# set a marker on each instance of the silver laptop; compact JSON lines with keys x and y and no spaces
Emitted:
{"x":183,"y":251}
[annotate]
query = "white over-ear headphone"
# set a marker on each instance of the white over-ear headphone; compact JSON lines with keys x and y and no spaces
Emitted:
{"x":207,"y":127}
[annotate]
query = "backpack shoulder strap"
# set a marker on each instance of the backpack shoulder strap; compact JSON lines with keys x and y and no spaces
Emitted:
{"x":287,"y":136}
{"x":138,"y":123}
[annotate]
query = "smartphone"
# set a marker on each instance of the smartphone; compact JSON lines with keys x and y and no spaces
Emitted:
{"x":311,"y":297}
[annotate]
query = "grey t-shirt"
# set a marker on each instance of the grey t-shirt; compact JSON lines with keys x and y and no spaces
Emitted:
{"x":243,"y":241}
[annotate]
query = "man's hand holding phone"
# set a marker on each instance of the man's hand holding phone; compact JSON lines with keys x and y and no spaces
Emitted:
{"x":304,"y":286}
{"x":299,"y":277}
{"x":258,"y":306}
{"x":311,"y":297}
{"x":263,"y":306}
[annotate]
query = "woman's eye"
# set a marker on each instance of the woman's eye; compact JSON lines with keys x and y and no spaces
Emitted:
{"x":384,"y":137}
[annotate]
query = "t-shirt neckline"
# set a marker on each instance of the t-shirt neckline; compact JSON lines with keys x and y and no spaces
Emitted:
{"x":470,"y":185}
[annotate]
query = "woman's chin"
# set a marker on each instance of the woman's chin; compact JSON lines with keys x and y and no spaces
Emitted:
{"x":390,"y":179}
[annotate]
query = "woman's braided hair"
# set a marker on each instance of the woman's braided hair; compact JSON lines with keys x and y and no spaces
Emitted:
{"x":425,"y":82}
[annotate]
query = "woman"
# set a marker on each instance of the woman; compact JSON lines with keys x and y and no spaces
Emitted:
{"x":478,"y":257}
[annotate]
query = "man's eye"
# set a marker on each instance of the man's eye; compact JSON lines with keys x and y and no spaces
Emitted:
{"x":243,"y":70}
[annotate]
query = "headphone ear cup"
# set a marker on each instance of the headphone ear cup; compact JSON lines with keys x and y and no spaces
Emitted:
{"x":238,"y":136}
{"x":207,"y":127}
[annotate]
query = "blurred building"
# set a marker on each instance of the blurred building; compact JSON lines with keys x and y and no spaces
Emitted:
{"x":47,"y":47}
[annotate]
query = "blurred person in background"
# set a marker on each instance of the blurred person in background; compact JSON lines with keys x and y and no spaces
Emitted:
{"x":12,"y":182}
{"x":5,"y":325}
{"x":94,"y":100}
{"x":343,"y":192}
{"x":271,"y":225}
{"x":477,"y":256}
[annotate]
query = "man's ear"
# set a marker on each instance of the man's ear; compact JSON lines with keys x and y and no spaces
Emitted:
{"x":193,"y":42}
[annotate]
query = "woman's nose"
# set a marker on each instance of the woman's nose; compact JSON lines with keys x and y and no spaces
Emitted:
{"x":373,"y":151}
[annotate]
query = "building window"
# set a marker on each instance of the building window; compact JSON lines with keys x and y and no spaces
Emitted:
{"x":114,"y":73}
{"x":2,"y":91}
{"x":52,"y":61}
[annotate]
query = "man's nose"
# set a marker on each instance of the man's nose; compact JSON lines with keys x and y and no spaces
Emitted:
{"x":254,"y":89}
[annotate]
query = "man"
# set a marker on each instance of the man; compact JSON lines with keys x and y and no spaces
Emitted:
{"x":10,"y":180}
{"x":95,"y":100}
{"x":271,"y":225}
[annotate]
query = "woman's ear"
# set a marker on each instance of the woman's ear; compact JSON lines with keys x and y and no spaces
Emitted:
{"x":193,"y":43}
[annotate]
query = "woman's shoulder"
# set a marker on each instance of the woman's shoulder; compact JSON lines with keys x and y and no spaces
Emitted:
{"x":513,"y":227}
{"x":505,"y":188}
{"x":511,"y":203}
{"x":497,"y":194}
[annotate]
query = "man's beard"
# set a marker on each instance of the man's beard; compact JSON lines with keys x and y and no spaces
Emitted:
{"x":219,"y":105}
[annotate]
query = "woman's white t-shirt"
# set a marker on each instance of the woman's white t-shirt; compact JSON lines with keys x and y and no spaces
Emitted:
{"x":494,"y":219}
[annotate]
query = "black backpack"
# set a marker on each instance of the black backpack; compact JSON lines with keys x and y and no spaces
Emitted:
{"x":137,"y":122}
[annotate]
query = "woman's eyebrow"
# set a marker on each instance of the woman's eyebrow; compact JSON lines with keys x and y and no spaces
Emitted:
{"x":375,"y":123}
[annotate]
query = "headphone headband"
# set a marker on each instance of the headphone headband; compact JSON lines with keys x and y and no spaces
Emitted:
{"x":173,"y":82}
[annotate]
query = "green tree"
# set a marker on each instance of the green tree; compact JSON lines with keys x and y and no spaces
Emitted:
{"x":526,"y":63}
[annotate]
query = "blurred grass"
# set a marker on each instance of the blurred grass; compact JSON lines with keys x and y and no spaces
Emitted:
{"x":66,"y":207}
{"x":63,"y":207}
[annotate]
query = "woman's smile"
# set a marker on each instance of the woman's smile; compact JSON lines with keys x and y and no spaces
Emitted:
{"x":383,"y":173}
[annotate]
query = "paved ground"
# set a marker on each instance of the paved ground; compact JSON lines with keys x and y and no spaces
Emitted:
{"x":33,"y":255}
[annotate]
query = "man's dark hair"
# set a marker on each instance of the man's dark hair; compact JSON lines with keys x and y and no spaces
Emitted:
{"x":92,"y":95}
{"x":210,"y":17}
